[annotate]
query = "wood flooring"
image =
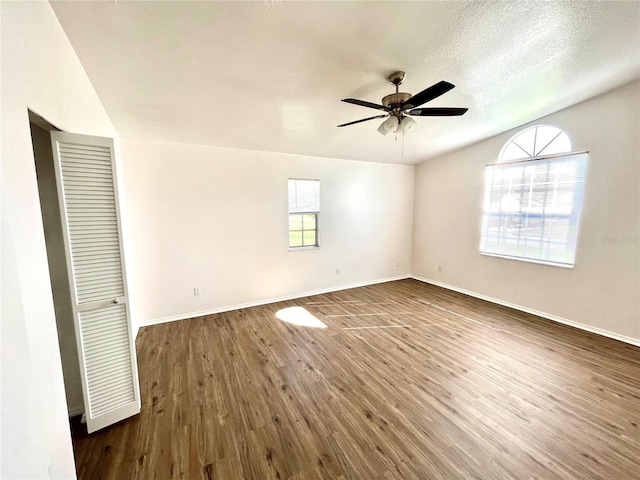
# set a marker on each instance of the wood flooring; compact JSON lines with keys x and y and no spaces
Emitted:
{"x":409,"y":381}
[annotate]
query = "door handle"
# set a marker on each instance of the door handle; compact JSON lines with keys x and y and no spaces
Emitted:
{"x":116,"y":301}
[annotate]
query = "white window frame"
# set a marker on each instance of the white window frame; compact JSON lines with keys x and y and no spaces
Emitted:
{"x":302,"y":210}
{"x":515,"y":241}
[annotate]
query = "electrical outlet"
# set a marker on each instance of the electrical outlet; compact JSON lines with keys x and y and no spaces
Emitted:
{"x":439,"y":267}
{"x":196,"y":291}
{"x":337,"y":270}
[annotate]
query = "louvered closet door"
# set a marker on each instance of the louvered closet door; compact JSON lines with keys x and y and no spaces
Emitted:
{"x":85,"y":173}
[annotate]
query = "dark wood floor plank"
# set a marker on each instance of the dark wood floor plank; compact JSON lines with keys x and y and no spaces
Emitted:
{"x":409,"y":381}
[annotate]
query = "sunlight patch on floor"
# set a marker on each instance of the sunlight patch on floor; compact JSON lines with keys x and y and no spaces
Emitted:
{"x":299,"y":316}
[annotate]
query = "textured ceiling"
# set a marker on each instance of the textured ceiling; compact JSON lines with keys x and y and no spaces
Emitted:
{"x":270,"y":75}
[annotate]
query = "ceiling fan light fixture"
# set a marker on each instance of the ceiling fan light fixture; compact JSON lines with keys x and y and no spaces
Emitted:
{"x":390,"y":125}
{"x":381,"y":129}
{"x":406,"y":124}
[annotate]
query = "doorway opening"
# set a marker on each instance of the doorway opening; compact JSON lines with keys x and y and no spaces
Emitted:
{"x":58,"y":271}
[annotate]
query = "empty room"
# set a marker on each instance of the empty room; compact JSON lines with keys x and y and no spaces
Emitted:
{"x":320,"y":240}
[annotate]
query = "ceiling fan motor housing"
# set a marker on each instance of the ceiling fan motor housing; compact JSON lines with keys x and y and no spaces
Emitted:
{"x":395,"y":100}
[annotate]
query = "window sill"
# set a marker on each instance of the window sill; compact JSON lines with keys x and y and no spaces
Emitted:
{"x":297,"y":249}
{"x":528,"y":260}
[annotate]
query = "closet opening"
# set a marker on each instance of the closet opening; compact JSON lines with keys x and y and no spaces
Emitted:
{"x":58,"y":271}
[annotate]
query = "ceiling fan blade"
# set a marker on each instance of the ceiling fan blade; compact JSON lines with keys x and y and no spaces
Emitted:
{"x":362,"y":103}
{"x":428,"y":94}
{"x":363,"y":120}
{"x":437,"y":112}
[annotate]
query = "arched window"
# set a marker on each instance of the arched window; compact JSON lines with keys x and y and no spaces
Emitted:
{"x":535,"y":142}
{"x":533,"y":197}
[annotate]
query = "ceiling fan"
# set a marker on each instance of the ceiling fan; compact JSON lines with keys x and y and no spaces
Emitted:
{"x":398,"y":106}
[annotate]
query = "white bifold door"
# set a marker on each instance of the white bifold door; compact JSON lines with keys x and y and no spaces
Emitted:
{"x":87,"y":189}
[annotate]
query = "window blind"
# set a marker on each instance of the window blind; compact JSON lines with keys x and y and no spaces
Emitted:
{"x":304,"y":196}
{"x":532,"y":208}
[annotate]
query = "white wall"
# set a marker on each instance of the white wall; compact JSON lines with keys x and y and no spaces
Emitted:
{"x":217,"y":218}
{"x":602,"y":290}
{"x":39,"y":71}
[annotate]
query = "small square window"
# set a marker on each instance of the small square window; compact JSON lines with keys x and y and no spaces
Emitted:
{"x":304,"y":208}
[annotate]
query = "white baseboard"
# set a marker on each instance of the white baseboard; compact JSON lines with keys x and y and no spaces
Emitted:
{"x":548,"y":316}
{"x":266,"y":301}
